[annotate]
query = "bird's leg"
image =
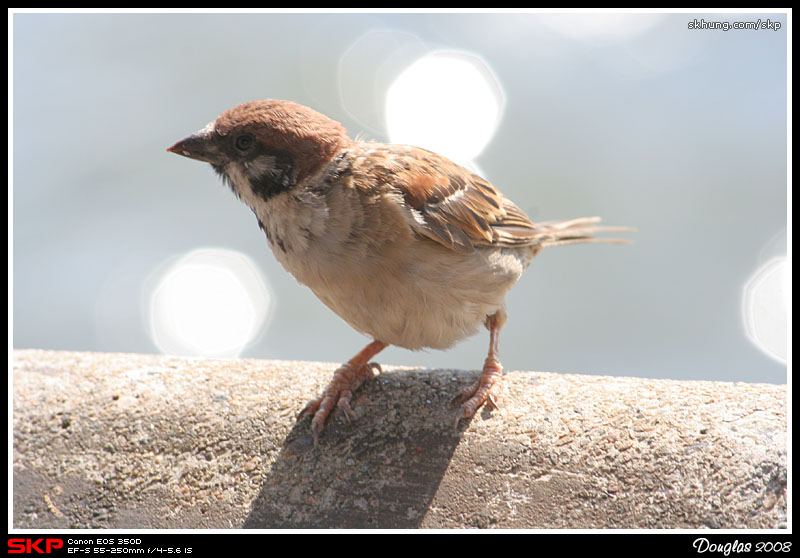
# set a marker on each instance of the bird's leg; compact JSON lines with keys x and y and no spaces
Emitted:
{"x":480,"y":393}
{"x":347,"y":378}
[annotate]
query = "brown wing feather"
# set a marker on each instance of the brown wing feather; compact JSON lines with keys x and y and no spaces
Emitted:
{"x":448,"y":203}
{"x":459,"y":209}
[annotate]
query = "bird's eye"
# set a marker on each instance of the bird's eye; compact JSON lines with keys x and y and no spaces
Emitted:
{"x":244,"y":142}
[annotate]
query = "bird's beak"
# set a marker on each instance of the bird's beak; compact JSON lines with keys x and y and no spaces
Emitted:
{"x":201,"y":146}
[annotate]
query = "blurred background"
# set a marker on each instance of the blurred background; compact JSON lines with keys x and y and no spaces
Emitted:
{"x":641,"y":118}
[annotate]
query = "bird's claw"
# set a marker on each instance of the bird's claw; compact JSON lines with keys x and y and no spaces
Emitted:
{"x":478,"y":394}
{"x":337,"y":395}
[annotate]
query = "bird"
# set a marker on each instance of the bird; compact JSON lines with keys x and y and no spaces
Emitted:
{"x":406,"y":246}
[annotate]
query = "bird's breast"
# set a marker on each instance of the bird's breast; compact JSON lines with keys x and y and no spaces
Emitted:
{"x":384,"y":281}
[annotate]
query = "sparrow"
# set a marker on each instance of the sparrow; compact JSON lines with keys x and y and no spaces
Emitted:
{"x":406,"y":246}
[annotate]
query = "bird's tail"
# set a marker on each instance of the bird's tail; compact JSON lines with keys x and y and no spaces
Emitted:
{"x":577,"y":231}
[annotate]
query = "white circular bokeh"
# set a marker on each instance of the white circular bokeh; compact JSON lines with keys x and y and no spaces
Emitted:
{"x":210,"y":302}
{"x":447,"y":101}
{"x":766,"y":303}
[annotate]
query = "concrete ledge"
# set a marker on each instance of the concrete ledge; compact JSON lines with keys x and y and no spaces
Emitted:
{"x":138,"y":441}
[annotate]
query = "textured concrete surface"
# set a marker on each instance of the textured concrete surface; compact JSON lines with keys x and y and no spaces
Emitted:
{"x":137,"y":441}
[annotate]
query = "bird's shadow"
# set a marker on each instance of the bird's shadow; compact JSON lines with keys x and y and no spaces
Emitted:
{"x":380,"y":470}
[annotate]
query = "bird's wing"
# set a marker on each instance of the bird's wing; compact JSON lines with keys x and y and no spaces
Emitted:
{"x":447,"y":203}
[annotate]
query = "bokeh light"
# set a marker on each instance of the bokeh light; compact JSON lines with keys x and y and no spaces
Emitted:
{"x":210,"y":302}
{"x":447,"y":101}
{"x":766,"y":303}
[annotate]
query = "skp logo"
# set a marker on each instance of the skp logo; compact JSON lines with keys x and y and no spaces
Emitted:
{"x":30,"y":546}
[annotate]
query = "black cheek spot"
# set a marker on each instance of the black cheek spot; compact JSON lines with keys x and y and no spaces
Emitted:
{"x":280,"y":178}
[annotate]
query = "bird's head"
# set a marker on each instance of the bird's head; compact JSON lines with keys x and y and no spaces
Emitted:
{"x":264,"y":148}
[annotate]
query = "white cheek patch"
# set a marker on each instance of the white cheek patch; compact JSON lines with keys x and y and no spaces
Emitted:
{"x":260,"y":166}
{"x":240,"y":183}
{"x":243,"y":174}
{"x":236,"y":177}
{"x":246,"y":178}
